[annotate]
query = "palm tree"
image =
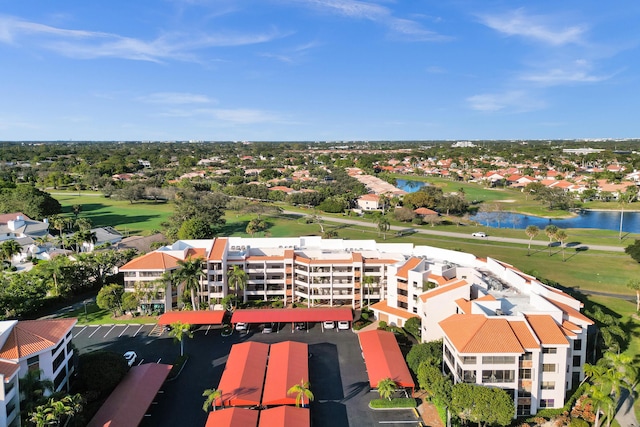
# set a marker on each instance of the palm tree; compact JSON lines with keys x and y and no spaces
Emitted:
{"x":550,"y":230}
{"x":368,"y":282}
{"x":211,"y":395}
{"x":9,"y":248}
{"x":562,"y":236}
{"x":178,"y":331}
{"x":634,"y":284}
{"x":301,"y":391}
{"x":602,"y":402}
{"x":382,"y":201}
{"x":386,"y":388}
{"x":532,"y":231}
{"x":238,"y":279}
{"x":85,"y":236}
{"x":33,"y":390}
{"x":59,"y":223}
{"x":190,"y":274}
{"x":383,"y":226}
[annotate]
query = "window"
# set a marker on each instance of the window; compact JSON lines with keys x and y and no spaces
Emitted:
{"x":527,"y":356}
{"x":548,"y":385}
{"x":525,"y":374}
{"x":492,"y":360}
{"x":55,"y":350}
{"x":58,"y":361}
{"x":468,"y":360}
{"x":57,"y":382}
{"x":524,"y":409}
{"x":469,"y":376}
{"x":448,"y":354}
{"x":497,"y":376}
{"x":576,"y":360}
{"x":548,"y":367}
{"x":524,"y":392}
{"x":33,"y":363}
{"x":547,"y":403}
{"x":577,"y":345}
{"x":549,"y":350}
{"x":9,"y":386}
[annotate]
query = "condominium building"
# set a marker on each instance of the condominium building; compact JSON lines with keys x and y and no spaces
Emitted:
{"x":32,"y":345}
{"x":499,"y":326}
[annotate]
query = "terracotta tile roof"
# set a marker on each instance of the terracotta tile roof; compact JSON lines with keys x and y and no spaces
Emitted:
{"x":289,"y":254}
{"x":384,"y":307}
{"x":438,"y":279}
{"x":476,"y":333}
{"x":370,"y":197}
{"x":152,"y":261}
{"x":487,"y":297}
{"x":33,"y":336}
{"x":411,"y":263}
{"x":356,"y":257}
{"x":196,"y":253}
{"x":265,"y":258}
{"x":524,"y":334}
{"x":546,"y":329}
{"x":571,"y":312}
{"x":217,"y":251}
{"x":570,"y":326}
{"x":464,"y":304}
{"x":425,"y":211}
{"x":8,"y":369}
{"x":452,"y":284}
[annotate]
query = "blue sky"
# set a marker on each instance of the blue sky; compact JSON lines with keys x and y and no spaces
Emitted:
{"x":318,"y":70}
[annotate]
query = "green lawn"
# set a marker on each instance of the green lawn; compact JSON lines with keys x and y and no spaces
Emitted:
{"x":98,"y":316}
{"x":141,"y":217}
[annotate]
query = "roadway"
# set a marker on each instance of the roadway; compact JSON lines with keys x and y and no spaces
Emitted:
{"x":419,"y":230}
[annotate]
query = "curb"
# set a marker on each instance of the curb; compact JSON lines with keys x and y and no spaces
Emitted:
{"x":179,"y":372}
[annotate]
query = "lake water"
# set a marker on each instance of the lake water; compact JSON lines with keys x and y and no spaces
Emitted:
{"x":606,"y":220}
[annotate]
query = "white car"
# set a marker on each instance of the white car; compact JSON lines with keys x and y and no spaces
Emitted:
{"x":267,"y":329}
{"x":328,"y":324}
{"x":240,"y":326}
{"x":130,"y":357}
{"x":343,"y":325}
{"x":479,"y":234}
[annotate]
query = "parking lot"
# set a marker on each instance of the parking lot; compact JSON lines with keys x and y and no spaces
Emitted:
{"x":336,"y":371}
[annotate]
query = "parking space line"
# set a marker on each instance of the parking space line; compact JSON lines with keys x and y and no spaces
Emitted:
{"x":75,"y":335}
{"x":123,"y":331}
{"x":97,"y":329}
{"x":105,"y":335}
{"x":141,"y":326}
{"x":208,"y":327}
{"x":159,"y":360}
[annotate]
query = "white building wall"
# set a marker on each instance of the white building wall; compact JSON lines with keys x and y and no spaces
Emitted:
{"x":438,"y":308}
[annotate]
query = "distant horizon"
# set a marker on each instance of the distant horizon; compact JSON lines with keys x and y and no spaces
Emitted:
{"x":318,"y":70}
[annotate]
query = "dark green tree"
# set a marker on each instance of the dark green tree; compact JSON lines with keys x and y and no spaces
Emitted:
{"x":429,"y":352}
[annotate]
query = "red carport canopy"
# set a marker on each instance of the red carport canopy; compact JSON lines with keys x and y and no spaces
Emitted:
{"x":243,"y":377}
{"x":383,"y":358}
{"x":285,"y":416}
{"x":288,"y":365}
{"x":129,"y":401}
{"x":232,"y":417}
{"x":290,"y":315}
{"x":198,"y":317}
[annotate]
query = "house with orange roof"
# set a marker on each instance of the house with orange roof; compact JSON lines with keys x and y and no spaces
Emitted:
{"x":33,"y":345}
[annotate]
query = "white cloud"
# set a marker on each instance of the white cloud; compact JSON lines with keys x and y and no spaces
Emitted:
{"x":410,"y":29}
{"x":175,"y":98}
{"x":511,"y":101}
{"x":536,"y":27}
{"x":90,"y":44}
{"x":227,"y":115}
{"x":560,"y":76}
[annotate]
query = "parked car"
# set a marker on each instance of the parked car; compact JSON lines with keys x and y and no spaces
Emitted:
{"x":300,"y":326}
{"x":479,"y":234}
{"x":328,"y":324}
{"x":130,"y":357}
{"x":240,"y":326}
{"x":267,"y":329}
{"x":343,"y":325}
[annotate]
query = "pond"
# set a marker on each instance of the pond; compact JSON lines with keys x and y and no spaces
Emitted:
{"x":606,"y":220}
